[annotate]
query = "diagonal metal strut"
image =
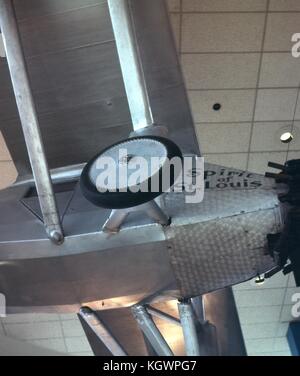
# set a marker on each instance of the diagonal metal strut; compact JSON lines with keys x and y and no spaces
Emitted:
{"x":102,"y":332}
{"x":131,"y":66}
{"x":29,"y":121}
{"x":151,"y":331}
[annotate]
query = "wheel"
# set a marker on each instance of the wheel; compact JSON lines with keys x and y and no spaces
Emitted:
{"x":109,"y":180}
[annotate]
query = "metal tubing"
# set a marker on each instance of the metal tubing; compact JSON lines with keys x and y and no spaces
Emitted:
{"x":189,"y":328}
{"x":151,"y":331}
{"x":102,"y":332}
{"x":163,"y":316}
{"x":131,"y":65}
{"x":29,"y":121}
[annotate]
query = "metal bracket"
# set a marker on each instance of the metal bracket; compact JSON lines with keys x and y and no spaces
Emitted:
{"x":118,"y":216}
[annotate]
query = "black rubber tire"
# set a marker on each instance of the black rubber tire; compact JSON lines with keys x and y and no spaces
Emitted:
{"x":122,"y":200}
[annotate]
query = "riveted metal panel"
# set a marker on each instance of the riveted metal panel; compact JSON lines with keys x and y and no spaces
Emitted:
{"x":219,"y":253}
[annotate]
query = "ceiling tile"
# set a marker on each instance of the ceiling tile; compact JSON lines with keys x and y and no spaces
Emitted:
{"x":86,"y":353}
{"x":294,"y":155}
{"x":297,"y":116}
{"x":280,"y":28}
{"x":249,"y":285}
{"x":266,"y":297}
{"x":279,"y":70}
{"x":288,"y":300}
{"x":223,"y":138}
{"x":260,"y":345}
{"x":264,"y":330}
{"x":230,"y":32}
{"x":36,"y":330}
{"x":281,"y":344}
{"x":236,"y":105}
{"x":220,"y":71}
{"x":272,"y":353}
{"x":258,"y":162}
{"x":252,"y":315}
{"x":67,"y":316}
{"x":286,"y":314}
{"x":237,"y":160}
{"x":294,"y":145}
{"x":285,"y":5}
{"x":55,"y":344}
{"x":292,"y":282}
{"x":221,"y":5}
{"x":175,"y":23}
{"x":72,"y":328}
{"x":173,"y":5}
{"x":30,"y":318}
{"x":275,"y":104}
{"x":277,"y":281}
{"x":282,"y":329}
{"x":266,"y":136}
{"x":77,"y":344}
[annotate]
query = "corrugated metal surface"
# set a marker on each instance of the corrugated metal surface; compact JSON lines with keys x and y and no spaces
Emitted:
{"x":76,"y":79}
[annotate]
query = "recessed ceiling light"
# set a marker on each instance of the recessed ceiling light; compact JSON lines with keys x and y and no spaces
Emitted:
{"x":286,"y":137}
{"x":217,"y":107}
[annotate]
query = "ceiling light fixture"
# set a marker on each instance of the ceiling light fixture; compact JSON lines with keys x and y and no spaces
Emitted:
{"x":286,"y":137}
{"x":259,"y":280}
